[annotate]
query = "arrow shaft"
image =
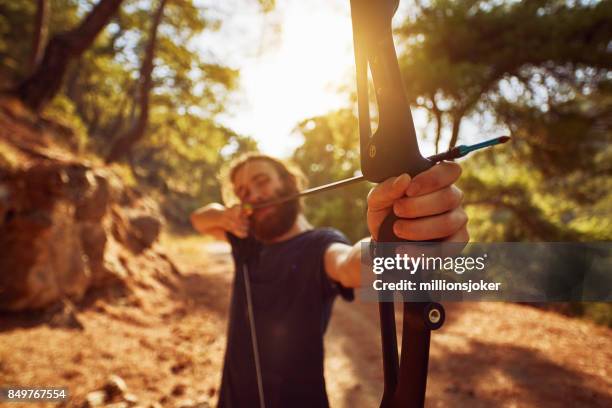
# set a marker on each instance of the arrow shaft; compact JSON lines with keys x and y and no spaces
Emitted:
{"x":451,"y":154}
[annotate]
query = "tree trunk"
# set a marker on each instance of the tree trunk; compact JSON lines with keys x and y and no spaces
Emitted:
{"x":127,"y":141}
{"x":118,"y":122}
{"x":38,"y":89}
{"x":41,"y":26}
{"x":438,"y":115}
{"x":457,"y":118}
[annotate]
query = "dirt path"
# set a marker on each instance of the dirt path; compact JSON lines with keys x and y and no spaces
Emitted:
{"x":166,"y":340}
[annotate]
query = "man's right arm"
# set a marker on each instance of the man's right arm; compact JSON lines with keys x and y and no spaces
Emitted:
{"x":215,"y":219}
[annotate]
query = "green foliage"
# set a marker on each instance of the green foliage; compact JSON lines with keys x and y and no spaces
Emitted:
{"x":15,"y":25}
{"x":330,"y":152}
{"x":541,"y":70}
{"x":16,"y":32}
{"x":179,"y":156}
{"x":538,"y":69}
{"x":63,"y":110}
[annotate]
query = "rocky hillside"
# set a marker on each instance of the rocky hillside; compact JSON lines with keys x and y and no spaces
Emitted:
{"x":68,"y":225}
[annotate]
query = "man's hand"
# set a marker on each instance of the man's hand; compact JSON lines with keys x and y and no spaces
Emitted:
{"x":235,"y":220}
{"x":215,"y":219}
{"x":429,"y":206}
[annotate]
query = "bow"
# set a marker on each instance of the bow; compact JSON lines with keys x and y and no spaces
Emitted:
{"x":391,"y":151}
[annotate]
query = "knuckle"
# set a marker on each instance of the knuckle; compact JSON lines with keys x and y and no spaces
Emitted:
{"x":453,"y":168}
{"x":404,"y":208}
{"x":460,"y":195}
{"x":455,"y":219}
{"x":369,"y":197}
{"x":448,"y":198}
{"x":372,"y":195}
{"x":455,"y":197}
{"x":398,"y":208}
{"x":456,"y":168}
{"x":461,"y":217}
{"x":448,"y":173}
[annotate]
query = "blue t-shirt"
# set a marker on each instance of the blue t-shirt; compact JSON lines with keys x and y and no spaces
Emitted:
{"x":292,"y":301}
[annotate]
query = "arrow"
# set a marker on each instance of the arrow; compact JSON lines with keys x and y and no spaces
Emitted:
{"x":454,"y":153}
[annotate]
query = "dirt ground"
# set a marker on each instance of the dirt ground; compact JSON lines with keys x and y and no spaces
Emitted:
{"x":166,"y":340}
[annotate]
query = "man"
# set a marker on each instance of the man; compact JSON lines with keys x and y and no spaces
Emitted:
{"x":295,"y":272}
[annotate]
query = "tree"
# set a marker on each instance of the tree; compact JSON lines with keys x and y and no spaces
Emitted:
{"x":330,"y":152}
{"x":457,"y":52}
{"x":38,"y":89}
{"x":539,"y":69}
{"x":39,"y":37}
{"x":126,"y":141}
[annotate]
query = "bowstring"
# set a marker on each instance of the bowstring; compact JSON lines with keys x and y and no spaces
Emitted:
{"x":251,"y":314}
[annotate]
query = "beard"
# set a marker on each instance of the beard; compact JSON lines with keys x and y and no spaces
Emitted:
{"x":278,"y":220}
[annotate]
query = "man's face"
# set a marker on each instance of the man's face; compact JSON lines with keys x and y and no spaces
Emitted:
{"x":257,"y":181}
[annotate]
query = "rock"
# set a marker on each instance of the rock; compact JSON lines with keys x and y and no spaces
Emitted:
{"x":144,"y":231}
{"x":115,"y":387}
{"x":94,"y":204}
{"x":193,"y":404}
{"x":68,"y":226}
{"x":179,"y":366}
{"x":94,"y":241}
{"x":130,"y":399}
{"x":94,"y":399}
{"x":178,"y":390}
{"x":120,"y":404}
{"x":42,"y":254}
{"x":66,"y":317}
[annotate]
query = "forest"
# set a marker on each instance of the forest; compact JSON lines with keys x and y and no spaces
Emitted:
{"x":121,"y":85}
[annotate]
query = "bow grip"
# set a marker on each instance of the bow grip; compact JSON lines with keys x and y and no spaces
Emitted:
{"x":416,"y":166}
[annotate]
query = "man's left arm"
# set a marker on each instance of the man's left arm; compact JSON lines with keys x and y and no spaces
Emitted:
{"x":429,"y":207}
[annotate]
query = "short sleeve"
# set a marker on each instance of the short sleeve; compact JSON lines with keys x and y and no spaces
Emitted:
{"x":326,"y":237}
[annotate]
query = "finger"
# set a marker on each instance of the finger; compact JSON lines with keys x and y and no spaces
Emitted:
{"x":433,"y":227}
{"x":461,"y":236}
{"x":439,"y":176}
{"x":457,"y":241}
{"x":239,"y":210}
{"x":434,"y":203}
{"x":380,"y":201}
{"x":240,"y":232}
{"x":238,"y":227}
{"x":238,"y":213}
{"x":383,"y":195}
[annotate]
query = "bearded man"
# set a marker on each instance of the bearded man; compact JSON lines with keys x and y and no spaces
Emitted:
{"x":296,"y":271}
